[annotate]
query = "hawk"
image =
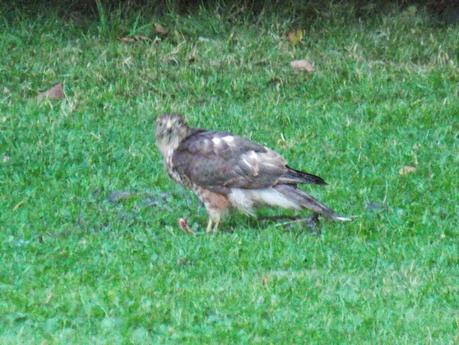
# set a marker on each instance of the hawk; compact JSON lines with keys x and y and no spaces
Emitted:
{"x":227,"y":171}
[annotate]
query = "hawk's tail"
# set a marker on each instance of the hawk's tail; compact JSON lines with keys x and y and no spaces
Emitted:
{"x":304,"y":200}
{"x":293,"y":176}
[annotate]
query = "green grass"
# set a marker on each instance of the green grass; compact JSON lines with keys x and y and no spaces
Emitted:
{"x":76,"y":268}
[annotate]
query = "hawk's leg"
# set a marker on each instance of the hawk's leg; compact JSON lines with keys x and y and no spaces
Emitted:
{"x":216,"y":226}
{"x":214,"y":220}
{"x":212,"y":226}
{"x":216,"y":206}
{"x":209,"y":226}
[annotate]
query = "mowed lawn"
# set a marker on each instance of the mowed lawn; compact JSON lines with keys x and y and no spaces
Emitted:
{"x":90,"y":249}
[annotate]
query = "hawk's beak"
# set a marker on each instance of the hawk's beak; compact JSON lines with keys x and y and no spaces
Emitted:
{"x":169,"y":126}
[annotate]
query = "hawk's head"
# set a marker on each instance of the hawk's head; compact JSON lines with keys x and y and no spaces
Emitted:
{"x":171,"y":129}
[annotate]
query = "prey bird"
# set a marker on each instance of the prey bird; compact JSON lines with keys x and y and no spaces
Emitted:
{"x":227,"y":171}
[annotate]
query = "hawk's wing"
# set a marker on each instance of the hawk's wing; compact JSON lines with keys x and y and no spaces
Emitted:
{"x":219,"y":160}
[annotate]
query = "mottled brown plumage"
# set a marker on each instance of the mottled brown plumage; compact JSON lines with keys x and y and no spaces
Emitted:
{"x":227,"y":171}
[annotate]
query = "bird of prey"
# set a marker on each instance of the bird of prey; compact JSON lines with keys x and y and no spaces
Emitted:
{"x":227,"y":171}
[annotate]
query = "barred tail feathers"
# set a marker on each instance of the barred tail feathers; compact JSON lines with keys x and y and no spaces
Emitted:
{"x":304,"y":200}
